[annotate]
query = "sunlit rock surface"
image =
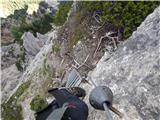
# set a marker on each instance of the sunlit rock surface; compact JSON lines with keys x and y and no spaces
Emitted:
{"x":9,"y":55}
{"x":33,"y":44}
{"x":133,"y":74}
{"x":10,"y":79}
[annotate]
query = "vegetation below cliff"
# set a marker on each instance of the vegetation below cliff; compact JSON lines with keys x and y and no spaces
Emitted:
{"x":12,"y":110}
{"x":39,"y":22}
{"x":81,"y":37}
{"x":125,"y":16}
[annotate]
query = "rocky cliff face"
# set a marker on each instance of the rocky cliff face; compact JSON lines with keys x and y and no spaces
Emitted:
{"x":6,"y":36}
{"x":9,"y":54}
{"x":133,"y":74}
{"x":32,"y":44}
{"x":10,"y":78}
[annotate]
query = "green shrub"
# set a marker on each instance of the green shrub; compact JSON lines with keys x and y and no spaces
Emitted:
{"x":62,"y":13}
{"x":22,"y":88}
{"x":127,"y":15}
{"x":21,"y":60}
{"x":17,"y":34}
{"x":12,"y":110}
{"x":17,"y":31}
{"x":38,"y":103}
{"x":47,"y":70}
{"x":20,"y":13}
{"x":20,"y":26}
{"x":19,"y":65}
{"x":40,"y":24}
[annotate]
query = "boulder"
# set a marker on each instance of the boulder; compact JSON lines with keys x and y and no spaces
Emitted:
{"x":33,"y":44}
{"x":10,"y":79}
{"x":133,"y":74}
{"x":9,"y":55}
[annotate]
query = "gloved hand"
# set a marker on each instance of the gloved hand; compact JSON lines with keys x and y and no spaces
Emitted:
{"x":77,"y":109}
{"x":67,"y":105}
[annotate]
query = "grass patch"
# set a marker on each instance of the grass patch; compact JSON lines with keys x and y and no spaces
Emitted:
{"x":79,"y":29}
{"x":78,"y":35}
{"x":47,"y":70}
{"x":38,"y":103}
{"x":55,"y":48}
{"x":22,"y":89}
{"x":12,"y":110}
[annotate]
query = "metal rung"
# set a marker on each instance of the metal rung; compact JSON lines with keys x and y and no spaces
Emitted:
{"x":74,"y":79}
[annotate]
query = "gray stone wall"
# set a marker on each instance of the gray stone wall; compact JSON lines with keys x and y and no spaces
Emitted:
{"x":133,"y":74}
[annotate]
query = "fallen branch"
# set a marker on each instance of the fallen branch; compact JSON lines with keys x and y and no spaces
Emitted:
{"x":98,"y":46}
{"x":87,"y":66}
{"x":62,"y":76}
{"x":100,"y":41}
{"x":80,"y":65}
{"x":76,"y":62}
{"x":74,"y":66}
{"x":84,"y":61}
{"x":62,"y":61}
{"x":94,"y":16}
{"x":114,"y":43}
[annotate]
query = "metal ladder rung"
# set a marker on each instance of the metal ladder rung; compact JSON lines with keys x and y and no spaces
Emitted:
{"x":74,"y":78}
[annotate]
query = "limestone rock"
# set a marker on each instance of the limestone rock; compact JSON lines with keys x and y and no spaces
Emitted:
{"x":10,"y":79}
{"x":6,"y":25}
{"x":34,"y":72}
{"x":32,"y":44}
{"x":133,"y":74}
{"x":9,"y":55}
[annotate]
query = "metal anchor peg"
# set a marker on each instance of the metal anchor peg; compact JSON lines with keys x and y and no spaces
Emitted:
{"x":101,"y":98}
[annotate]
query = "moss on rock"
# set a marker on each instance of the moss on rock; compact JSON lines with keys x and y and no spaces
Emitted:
{"x":12,"y":110}
{"x":38,"y":103}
